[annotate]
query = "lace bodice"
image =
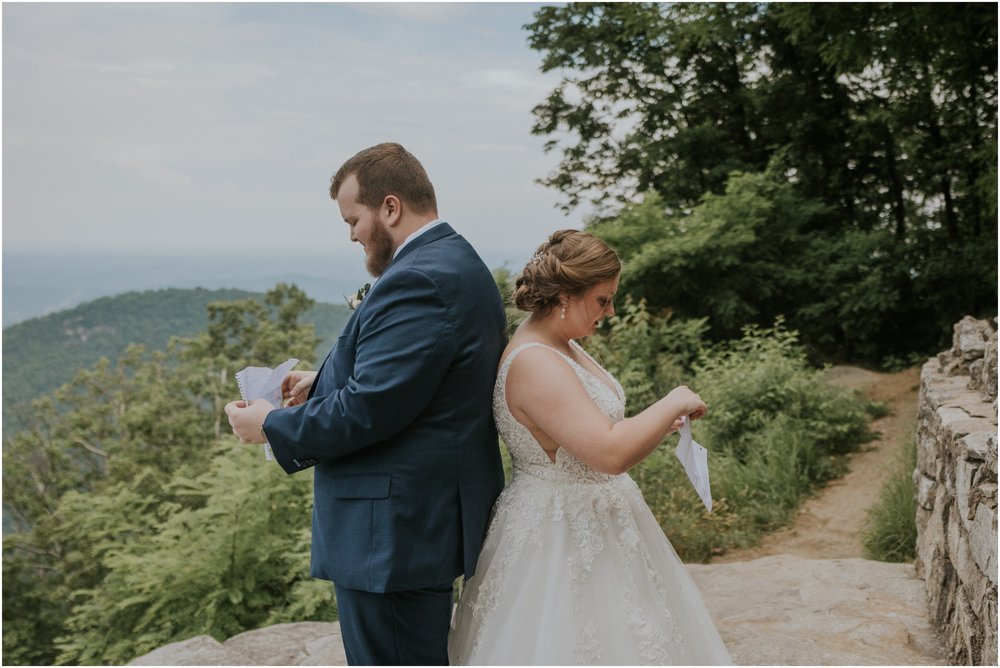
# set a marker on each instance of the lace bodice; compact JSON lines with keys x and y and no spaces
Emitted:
{"x":527,"y":456}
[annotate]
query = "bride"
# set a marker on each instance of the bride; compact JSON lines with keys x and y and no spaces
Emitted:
{"x":575,"y":569}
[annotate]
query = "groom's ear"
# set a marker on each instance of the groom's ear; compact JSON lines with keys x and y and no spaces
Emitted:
{"x":392,"y":210}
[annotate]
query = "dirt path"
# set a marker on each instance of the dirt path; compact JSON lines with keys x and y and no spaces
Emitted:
{"x":828,"y":526}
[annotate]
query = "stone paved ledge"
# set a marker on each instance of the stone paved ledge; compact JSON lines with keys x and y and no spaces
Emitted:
{"x":778,"y":610}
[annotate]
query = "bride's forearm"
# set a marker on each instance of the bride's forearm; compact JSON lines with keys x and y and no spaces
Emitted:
{"x":633,"y":439}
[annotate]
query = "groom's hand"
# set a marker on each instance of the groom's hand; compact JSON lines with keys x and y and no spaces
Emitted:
{"x":247,"y":419}
{"x":295,"y":387}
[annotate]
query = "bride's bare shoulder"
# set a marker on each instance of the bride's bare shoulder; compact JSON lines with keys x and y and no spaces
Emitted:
{"x":533,"y":358}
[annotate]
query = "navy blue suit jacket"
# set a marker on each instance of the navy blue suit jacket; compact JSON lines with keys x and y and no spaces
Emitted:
{"x":399,"y":424}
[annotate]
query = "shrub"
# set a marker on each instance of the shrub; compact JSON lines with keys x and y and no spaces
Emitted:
{"x":774,"y":429}
{"x":749,"y":382}
{"x":235,"y":558}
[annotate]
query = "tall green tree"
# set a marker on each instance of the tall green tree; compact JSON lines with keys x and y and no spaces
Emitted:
{"x":878,"y":120}
{"x":653,"y":97}
{"x":725,"y":260}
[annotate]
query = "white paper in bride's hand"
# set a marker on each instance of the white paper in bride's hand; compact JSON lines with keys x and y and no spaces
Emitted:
{"x":695,"y":460}
{"x":260,"y":382}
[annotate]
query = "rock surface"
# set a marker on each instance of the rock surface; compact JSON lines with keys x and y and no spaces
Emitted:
{"x":299,"y":644}
{"x":778,"y":610}
{"x":785,"y":610}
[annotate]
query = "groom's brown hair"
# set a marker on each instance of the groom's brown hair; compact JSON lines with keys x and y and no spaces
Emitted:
{"x":388,"y":169}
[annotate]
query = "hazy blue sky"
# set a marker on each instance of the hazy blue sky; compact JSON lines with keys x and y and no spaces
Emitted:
{"x":215,"y":127}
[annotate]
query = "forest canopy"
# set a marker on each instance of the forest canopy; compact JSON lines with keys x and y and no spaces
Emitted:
{"x":831,"y":163}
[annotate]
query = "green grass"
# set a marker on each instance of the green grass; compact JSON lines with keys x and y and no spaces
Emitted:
{"x":877,"y":409}
{"x":890,"y":531}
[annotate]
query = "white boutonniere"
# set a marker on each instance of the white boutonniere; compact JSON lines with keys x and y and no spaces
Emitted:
{"x":355,"y":301}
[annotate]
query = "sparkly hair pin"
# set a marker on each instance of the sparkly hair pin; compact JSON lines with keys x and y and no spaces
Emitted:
{"x":536,"y":258}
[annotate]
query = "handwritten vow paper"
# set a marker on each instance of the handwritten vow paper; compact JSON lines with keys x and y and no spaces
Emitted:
{"x":259,"y":382}
{"x":695,"y":460}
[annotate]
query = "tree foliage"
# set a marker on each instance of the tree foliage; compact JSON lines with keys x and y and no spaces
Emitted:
{"x":42,"y":354}
{"x":230,"y":554}
{"x":832,"y":163}
{"x":141,"y":519}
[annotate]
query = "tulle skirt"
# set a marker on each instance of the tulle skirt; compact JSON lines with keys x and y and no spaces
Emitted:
{"x":579,"y":572}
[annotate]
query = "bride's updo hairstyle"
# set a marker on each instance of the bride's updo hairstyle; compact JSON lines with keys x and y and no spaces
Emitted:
{"x":569,"y":262}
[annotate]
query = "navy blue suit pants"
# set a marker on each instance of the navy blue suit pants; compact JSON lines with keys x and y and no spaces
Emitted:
{"x":403,"y":628}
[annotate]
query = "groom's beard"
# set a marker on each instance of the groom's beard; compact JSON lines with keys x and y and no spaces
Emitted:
{"x":378,"y":251}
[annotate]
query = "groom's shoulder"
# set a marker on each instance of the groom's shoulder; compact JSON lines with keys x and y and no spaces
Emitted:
{"x":451,"y":254}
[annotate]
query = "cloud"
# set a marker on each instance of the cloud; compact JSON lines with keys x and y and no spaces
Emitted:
{"x":521,"y":80}
{"x":147,"y":162}
{"x":218,"y":125}
{"x":424,"y":12}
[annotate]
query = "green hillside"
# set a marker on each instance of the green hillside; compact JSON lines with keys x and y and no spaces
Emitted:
{"x":41,"y":354}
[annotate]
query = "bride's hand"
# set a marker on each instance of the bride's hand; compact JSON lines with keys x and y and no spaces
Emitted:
{"x":689,"y":402}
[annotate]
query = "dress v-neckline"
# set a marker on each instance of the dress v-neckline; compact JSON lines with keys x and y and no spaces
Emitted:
{"x":608,"y":381}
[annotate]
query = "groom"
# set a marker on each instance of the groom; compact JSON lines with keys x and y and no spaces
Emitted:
{"x":397,"y":422}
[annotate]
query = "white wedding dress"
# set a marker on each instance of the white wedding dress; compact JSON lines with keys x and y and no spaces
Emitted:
{"x":575,"y":568}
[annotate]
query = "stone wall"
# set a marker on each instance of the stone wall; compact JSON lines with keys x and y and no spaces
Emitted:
{"x":956,"y":480}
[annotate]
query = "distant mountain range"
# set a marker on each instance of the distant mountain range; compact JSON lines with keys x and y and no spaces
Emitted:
{"x":40,"y":354}
{"x":36,"y":284}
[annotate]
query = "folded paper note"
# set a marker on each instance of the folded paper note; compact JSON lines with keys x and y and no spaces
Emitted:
{"x":258,"y":382}
{"x":695,"y":460}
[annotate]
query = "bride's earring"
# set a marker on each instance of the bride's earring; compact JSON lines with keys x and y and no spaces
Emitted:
{"x":563,"y":314}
